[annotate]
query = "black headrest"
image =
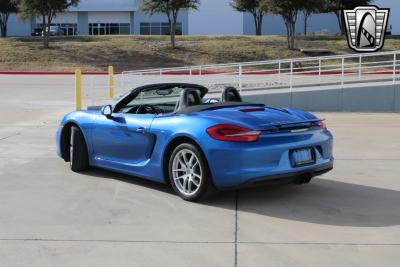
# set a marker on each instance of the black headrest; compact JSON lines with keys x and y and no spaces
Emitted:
{"x":189,"y":97}
{"x":231,"y":94}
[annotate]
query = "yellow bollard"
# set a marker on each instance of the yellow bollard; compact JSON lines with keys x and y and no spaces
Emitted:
{"x":111,"y":81}
{"x":78,"y":89}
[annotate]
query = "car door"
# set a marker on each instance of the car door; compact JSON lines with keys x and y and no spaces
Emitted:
{"x":123,"y":138}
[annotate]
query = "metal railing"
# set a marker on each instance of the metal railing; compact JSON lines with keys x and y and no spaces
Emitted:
{"x":303,"y":73}
{"x":285,"y":75}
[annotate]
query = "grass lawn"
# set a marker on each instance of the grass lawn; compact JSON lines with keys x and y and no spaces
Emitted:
{"x":95,"y":53}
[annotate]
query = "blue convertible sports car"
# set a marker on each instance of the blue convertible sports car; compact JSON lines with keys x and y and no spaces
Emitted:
{"x":171,"y":133}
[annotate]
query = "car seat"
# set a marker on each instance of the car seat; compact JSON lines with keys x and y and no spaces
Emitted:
{"x":231,"y":94}
{"x":188,"y":97}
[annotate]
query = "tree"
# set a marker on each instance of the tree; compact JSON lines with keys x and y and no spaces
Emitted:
{"x":170,"y":8}
{"x":47,"y":9}
{"x":6,"y":8}
{"x":288,"y":9}
{"x":310,"y":7}
{"x":336,"y":7}
{"x":258,"y":8}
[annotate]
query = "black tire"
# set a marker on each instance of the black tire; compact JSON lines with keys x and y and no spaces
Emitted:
{"x":206,"y":187}
{"x":79,"y":159}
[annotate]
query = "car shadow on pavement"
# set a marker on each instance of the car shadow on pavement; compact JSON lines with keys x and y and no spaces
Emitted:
{"x":102,"y":173}
{"x":323,"y":201}
{"x":222,"y":199}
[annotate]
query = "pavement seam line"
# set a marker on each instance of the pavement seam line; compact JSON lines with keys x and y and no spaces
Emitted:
{"x":319,"y":243}
{"x":196,"y":242}
{"x":113,"y":241}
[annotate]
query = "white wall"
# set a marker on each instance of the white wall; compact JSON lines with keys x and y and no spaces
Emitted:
{"x":215,"y":17}
{"x":68,"y":17}
{"x":109,"y":17}
{"x":106,"y":5}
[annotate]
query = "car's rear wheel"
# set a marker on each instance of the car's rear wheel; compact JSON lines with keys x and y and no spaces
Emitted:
{"x":78,"y":154}
{"x":189,"y":173}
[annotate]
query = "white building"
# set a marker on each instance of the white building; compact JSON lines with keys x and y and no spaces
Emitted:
{"x":101,"y":17}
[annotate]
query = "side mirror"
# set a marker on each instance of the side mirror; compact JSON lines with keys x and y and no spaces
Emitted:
{"x":107,"y":111}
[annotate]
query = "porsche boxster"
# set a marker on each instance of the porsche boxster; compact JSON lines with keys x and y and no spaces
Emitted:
{"x":174,"y":133}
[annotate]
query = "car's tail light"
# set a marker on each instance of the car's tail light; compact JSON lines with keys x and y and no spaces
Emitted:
{"x":322,"y":125}
{"x":231,"y":133}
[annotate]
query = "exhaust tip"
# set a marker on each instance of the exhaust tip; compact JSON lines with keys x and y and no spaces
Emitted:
{"x":304,"y":178}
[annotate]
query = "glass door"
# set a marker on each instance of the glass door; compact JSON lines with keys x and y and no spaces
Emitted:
{"x":102,"y":29}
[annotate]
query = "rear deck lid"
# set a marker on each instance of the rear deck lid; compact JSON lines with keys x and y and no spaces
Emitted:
{"x":265,"y":118}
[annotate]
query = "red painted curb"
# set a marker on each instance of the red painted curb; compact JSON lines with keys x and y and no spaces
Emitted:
{"x":51,"y":73}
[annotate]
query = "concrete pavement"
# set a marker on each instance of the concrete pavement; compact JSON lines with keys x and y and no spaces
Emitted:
{"x":50,"y":216}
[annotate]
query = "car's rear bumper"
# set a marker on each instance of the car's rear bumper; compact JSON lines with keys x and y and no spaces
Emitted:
{"x":236,"y":165}
{"x":286,"y":178}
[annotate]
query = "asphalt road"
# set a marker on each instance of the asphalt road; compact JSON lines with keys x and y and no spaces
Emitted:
{"x":50,"y":216}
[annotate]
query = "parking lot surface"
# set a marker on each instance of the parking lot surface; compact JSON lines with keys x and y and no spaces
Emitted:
{"x":50,"y":216}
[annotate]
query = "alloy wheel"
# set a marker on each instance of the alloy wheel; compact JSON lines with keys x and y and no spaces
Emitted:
{"x":187,"y":172}
{"x":71,"y":148}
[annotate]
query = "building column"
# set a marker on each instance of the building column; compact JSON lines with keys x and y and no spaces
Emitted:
{"x":33,"y":23}
{"x":132,"y":22}
{"x":185,"y":22}
{"x":83,"y":23}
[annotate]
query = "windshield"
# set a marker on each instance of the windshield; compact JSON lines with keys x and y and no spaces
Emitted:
{"x":158,"y":100}
{"x":158,"y":97}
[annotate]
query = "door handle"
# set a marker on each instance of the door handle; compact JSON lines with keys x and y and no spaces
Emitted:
{"x":140,"y":129}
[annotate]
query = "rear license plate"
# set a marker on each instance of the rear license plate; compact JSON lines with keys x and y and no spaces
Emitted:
{"x":303,"y":157}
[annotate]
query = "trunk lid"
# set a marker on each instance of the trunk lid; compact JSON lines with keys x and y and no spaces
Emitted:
{"x":265,"y":118}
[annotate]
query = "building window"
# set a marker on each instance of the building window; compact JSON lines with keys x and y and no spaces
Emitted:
{"x":69,"y":29}
{"x":158,"y":28}
{"x":109,"y":28}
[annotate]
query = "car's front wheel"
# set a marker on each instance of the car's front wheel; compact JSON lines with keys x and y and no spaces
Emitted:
{"x":189,"y":173}
{"x":78,"y":154}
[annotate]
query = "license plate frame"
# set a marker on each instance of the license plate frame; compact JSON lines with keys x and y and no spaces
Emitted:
{"x":303,"y":156}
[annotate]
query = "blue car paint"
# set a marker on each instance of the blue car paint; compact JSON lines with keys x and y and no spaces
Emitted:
{"x":136,"y":144}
